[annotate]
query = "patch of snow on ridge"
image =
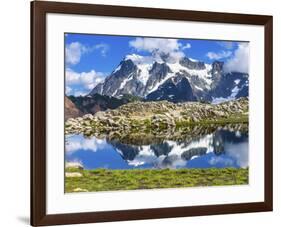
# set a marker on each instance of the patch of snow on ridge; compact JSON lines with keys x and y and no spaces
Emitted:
{"x":117,"y":69}
{"x":101,"y":91}
{"x":144,"y":64}
{"x":234,"y":92}
{"x":208,"y":67}
{"x":205,"y":142}
{"x":176,"y":149}
{"x":192,"y":59}
{"x":144,"y":72}
{"x":176,"y":67}
{"x":146,"y":151}
{"x":119,"y":151}
{"x":195,"y":156}
{"x":124,"y":82}
{"x":237,"y":81}
{"x":115,"y":92}
{"x":145,"y":155}
{"x":201,"y":74}
{"x":156,"y":86}
{"x":198,"y":88}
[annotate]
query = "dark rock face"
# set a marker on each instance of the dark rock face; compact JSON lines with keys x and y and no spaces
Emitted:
{"x":244,"y":92}
{"x":218,"y":143}
{"x":216,"y":72}
{"x":114,"y":81}
{"x":198,"y":65}
{"x":97,"y":90}
{"x":128,"y":153}
{"x":78,"y":106}
{"x":217,"y":67}
{"x":198,"y":151}
{"x":176,"y":89}
{"x":231,"y":84}
{"x":161,"y":149}
{"x":157,"y":73}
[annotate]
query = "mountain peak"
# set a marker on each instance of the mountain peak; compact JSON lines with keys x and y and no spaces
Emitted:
{"x":144,"y":59}
{"x":133,"y":57}
{"x":217,"y":65}
{"x":191,"y":64}
{"x":141,"y":75}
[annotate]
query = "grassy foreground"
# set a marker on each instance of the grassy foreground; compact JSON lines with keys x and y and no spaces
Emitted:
{"x":112,"y":180}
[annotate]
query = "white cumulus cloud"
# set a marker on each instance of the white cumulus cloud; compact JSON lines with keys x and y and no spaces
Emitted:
{"x":103,"y":48}
{"x":221,"y":160}
{"x":240,"y":152}
{"x":226,"y":44}
{"x":158,"y":47}
{"x":240,"y":60}
{"x":86,"y":81}
{"x":73,"y":52}
{"x":68,"y":90}
{"x":186,"y":46}
{"x":154,"y":44}
{"x":175,"y":56}
{"x":219,"y":55}
{"x":92,"y":144}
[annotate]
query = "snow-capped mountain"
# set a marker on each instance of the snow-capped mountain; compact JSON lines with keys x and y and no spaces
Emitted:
{"x":179,"y":80}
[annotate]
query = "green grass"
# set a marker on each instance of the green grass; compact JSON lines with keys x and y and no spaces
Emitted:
{"x":147,"y":125}
{"x":112,"y":180}
{"x":220,"y":121}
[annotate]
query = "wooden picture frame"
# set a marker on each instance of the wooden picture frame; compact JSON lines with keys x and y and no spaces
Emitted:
{"x":39,"y":10}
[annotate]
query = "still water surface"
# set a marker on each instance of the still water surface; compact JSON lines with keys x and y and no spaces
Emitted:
{"x":219,"y":148}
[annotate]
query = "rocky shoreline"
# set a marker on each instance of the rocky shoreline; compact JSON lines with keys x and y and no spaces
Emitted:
{"x":155,"y":117}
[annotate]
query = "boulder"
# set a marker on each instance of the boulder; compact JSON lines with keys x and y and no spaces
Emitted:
{"x":73,"y":174}
{"x":74,"y":165}
{"x":80,"y":190}
{"x":88,"y":117}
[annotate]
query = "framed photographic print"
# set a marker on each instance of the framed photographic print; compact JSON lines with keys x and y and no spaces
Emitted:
{"x":141,"y":113}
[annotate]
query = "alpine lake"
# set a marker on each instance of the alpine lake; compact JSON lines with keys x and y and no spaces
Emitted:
{"x":201,"y":155}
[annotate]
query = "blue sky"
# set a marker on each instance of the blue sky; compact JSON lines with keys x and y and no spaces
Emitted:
{"x":90,"y":58}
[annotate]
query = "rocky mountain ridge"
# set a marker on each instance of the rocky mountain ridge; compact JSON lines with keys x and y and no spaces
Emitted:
{"x":157,"y":117}
{"x":182,"y":80}
{"x":70,"y":109}
{"x":81,"y":105}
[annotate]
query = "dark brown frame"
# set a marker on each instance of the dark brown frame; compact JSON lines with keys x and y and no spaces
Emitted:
{"x":38,"y":112}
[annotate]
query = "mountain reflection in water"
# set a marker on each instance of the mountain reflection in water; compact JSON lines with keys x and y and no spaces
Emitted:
{"x":215,"y":147}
